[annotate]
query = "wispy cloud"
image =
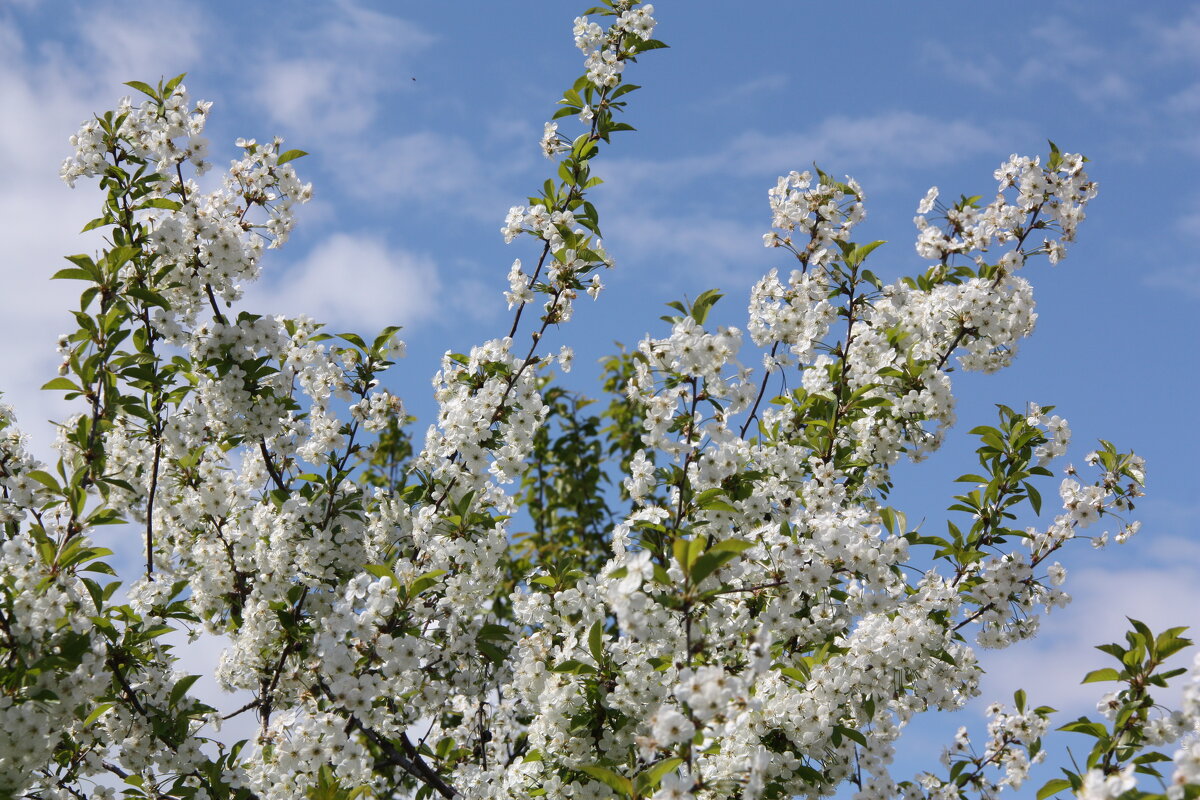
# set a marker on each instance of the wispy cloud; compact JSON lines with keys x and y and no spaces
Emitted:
{"x":684,"y":249}
{"x":749,"y":90}
{"x":1177,"y":39}
{"x":700,"y":237}
{"x":894,"y":140}
{"x":1177,"y":271}
{"x":441,"y":171}
{"x":1185,"y":101}
{"x":46,"y":94}
{"x":1159,"y":588}
{"x":1059,"y":52}
{"x":142,"y":40}
{"x":879,"y":144}
{"x":351,"y":59}
{"x":1182,"y":279}
{"x":981,"y":70}
{"x":327,"y":86}
{"x":356,"y":283}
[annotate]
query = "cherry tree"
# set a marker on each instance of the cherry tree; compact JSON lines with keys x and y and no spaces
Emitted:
{"x":696,"y":589}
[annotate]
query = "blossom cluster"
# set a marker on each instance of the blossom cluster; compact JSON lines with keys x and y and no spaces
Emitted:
{"x":153,"y":130}
{"x":749,"y":625}
{"x":602,"y":49}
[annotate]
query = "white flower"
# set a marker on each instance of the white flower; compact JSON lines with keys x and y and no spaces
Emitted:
{"x":926,"y":204}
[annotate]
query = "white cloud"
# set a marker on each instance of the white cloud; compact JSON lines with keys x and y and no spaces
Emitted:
{"x":513,"y":129}
{"x":1158,"y":588}
{"x":981,"y":70}
{"x":684,"y":250}
{"x":313,"y":96}
{"x":325,"y":85}
{"x":752,"y":89}
{"x":352,"y":57}
{"x":1182,"y":279}
{"x":642,"y":195}
{"x":46,"y":96}
{"x":880,"y":144}
{"x":1185,"y":101}
{"x":353,"y":28}
{"x":1153,"y":581}
{"x":1188,"y":223}
{"x":1057,"y":53}
{"x":48,"y":89}
{"x":143,"y":40}
{"x":438,"y":170}
{"x":1178,"y":39}
{"x":893,"y":140}
{"x":354,"y":283}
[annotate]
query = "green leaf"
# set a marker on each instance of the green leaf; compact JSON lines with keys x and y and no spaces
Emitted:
{"x":181,"y":688}
{"x":859,"y":253}
{"x":144,"y":88}
{"x":596,"y":641}
{"x":565,"y":174}
{"x":1142,"y":628}
{"x":118,"y":256}
{"x":709,"y":563}
{"x":1085,"y":725}
{"x":650,"y":44}
{"x":731,"y":546}
{"x":491,"y":631}
{"x":1053,"y":786}
{"x":290,"y":155}
{"x":96,"y":713}
{"x":1055,"y":156}
{"x":851,"y":734}
{"x":71,"y":274}
{"x":423,"y":582}
{"x":171,"y":84}
{"x":148,"y":297}
{"x":83,"y":262}
{"x":160,"y":202}
{"x":795,"y":673}
{"x":45,"y":479}
{"x":384,"y":337}
{"x":1106,"y":674}
{"x":105,"y":516}
{"x":61,"y":383}
{"x":379,"y":570}
{"x":1169,"y":647}
{"x":1035,"y":497}
{"x":704,"y":304}
{"x":649,"y":779}
{"x":619,"y":784}
{"x":493,"y":653}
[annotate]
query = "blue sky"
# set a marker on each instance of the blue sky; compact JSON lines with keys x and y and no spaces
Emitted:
{"x":422,"y":121}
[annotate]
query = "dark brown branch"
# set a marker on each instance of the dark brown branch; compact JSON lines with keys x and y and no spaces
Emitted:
{"x":414,"y":766}
{"x":762,"y":390}
{"x":270,"y":464}
{"x":150,"y":506}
